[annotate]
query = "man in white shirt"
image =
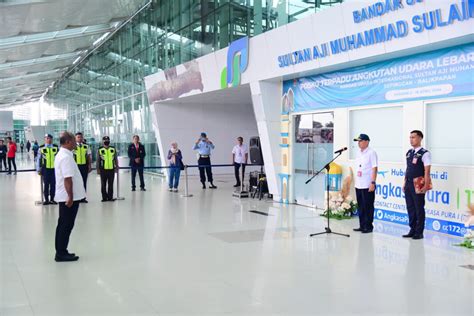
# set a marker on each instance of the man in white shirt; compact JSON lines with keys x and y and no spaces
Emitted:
{"x":69,"y":192}
{"x":240,"y":155}
{"x":365,"y":167}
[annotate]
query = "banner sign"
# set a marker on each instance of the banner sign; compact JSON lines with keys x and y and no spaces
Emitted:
{"x":446,"y":16}
{"x":446,"y":204}
{"x":442,"y":73}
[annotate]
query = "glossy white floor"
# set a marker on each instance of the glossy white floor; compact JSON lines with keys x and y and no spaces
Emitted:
{"x":156,"y":253}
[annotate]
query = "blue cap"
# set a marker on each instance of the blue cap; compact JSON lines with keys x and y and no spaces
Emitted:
{"x":362,"y":137}
{"x":203,"y":134}
{"x":48,"y":136}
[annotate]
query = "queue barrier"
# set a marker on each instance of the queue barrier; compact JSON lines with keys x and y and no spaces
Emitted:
{"x":118,"y":197}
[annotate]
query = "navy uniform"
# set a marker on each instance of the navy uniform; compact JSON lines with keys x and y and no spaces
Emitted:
{"x":45,"y":166}
{"x":417,"y":159}
{"x":204,"y":147}
{"x":106,"y":167}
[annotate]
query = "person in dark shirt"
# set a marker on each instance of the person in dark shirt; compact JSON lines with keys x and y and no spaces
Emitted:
{"x":3,"y":155}
{"x":136,"y":153}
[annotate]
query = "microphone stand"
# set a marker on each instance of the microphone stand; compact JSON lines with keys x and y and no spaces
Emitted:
{"x":327,"y":230}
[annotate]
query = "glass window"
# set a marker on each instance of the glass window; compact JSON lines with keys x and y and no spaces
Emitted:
{"x":385,"y":129}
{"x":450,"y":132}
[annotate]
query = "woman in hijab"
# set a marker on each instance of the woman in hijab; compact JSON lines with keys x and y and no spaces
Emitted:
{"x":176,"y":165}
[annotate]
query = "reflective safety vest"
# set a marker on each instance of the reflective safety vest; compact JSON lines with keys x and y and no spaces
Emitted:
{"x":80,"y":154}
{"x":107,"y":155}
{"x":47,"y":156}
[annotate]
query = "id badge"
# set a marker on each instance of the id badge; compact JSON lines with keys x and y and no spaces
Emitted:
{"x":414,"y":161}
{"x":359,"y":173}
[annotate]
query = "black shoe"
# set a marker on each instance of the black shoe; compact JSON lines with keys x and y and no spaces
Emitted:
{"x":66,"y":258}
{"x":416,"y":237}
{"x":142,"y":189}
{"x":237,"y":185}
{"x":104,"y":200}
{"x":212,"y":186}
{"x":54,"y":202}
{"x":46,"y":202}
{"x":358,"y":229}
{"x":111,"y":200}
{"x":409,"y":235}
{"x":203,"y":186}
{"x":133,"y":189}
{"x":367,"y":231}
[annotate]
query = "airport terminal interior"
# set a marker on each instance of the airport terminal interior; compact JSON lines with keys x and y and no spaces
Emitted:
{"x":195,"y":223}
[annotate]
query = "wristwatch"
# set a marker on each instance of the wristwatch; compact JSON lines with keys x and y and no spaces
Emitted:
{"x":373,"y":182}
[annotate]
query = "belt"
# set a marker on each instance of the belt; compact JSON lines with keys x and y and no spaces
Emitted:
{"x":204,"y":156}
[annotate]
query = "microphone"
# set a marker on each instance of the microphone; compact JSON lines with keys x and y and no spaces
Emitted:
{"x":340,"y":150}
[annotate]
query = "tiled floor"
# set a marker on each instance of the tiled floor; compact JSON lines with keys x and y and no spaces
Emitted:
{"x":156,"y":253}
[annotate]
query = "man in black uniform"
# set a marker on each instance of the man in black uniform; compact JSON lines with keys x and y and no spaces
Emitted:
{"x":45,"y":167}
{"x":82,"y":156}
{"x":418,"y":165}
{"x":107,"y":165}
{"x":3,"y":155}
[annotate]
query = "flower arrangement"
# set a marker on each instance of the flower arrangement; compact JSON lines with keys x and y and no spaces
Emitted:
{"x":469,"y":236}
{"x":340,"y":207}
{"x":341,"y":204}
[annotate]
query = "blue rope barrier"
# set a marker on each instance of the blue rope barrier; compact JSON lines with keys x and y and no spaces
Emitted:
{"x":153,"y":167}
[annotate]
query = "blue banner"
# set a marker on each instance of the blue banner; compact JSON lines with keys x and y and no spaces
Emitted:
{"x":438,"y":74}
{"x":436,"y":225}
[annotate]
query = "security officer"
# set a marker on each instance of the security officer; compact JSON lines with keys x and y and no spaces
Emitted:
{"x":418,"y":165}
{"x":45,"y":167}
{"x":107,"y":165}
{"x":204,"y":146}
{"x":83,"y":158}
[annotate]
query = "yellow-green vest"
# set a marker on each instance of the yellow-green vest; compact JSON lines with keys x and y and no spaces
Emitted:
{"x":47,"y":156}
{"x":80,"y":154}
{"x":107,"y":155}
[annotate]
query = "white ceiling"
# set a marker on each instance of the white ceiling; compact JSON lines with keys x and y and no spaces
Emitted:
{"x":40,"y":40}
{"x":225,"y":97}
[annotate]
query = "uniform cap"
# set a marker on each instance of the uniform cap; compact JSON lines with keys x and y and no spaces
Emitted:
{"x":362,"y":137}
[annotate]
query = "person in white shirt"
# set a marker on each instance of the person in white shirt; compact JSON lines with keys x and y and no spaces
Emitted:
{"x":69,"y":192}
{"x":240,"y":155}
{"x":366,"y":165}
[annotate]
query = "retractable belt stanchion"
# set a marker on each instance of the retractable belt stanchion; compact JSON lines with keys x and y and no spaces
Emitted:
{"x":41,"y":192}
{"x":119,"y":198}
{"x":242,"y":193}
{"x":186,"y":189}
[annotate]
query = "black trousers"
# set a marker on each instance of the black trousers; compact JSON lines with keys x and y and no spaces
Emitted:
{"x":11,"y":161}
{"x":107,"y":184}
{"x":140,"y":174}
{"x":3,"y":159}
{"x":203,"y":171}
{"x":415,"y":208}
{"x":67,"y":217}
{"x":365,"y":202}
{"x":49,"y":184}
{"x":237,"y":173}
{"x":84,"y":169}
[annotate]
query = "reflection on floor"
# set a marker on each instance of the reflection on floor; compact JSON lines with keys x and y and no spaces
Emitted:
{"x":156,"y":253}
